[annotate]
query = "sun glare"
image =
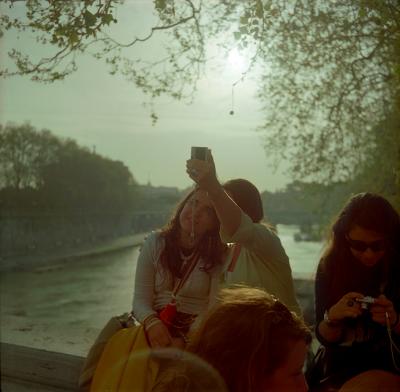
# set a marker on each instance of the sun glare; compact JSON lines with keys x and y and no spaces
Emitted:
{"x":235,"y":60}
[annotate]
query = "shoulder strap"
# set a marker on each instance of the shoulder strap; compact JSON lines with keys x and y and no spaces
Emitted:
{"x":180,"y":282}
{"x":235,"y":256}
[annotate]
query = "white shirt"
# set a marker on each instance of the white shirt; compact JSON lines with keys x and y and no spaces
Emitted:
{"x":262,"y":262}
{"x":154,"y":285}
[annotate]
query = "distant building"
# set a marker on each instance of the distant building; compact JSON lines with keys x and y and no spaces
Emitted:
{"x":158,"y":191}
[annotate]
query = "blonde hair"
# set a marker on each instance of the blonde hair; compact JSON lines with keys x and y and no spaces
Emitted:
{"x":246,"y":336}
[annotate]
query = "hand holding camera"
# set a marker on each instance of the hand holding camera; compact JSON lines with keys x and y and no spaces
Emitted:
{"x":383,"y":309}
{"x":345,"y":308}
{"x":201,"y":168}
{"x":380,"y":308}
{"x":365,"y":302}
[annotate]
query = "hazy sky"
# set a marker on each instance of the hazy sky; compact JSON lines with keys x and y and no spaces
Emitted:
{"x":106,"y":113}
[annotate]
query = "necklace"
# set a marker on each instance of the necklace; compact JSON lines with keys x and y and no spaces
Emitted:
{"x":186,"y":258}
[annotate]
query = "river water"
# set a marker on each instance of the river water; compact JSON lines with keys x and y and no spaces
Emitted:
{"x":63,"y":306}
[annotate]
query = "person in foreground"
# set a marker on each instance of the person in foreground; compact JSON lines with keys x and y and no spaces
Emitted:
{"x":357,"y":295}
{"x":253,"y":341}
{"x":178,"y":267}
{"x":260,"y":259}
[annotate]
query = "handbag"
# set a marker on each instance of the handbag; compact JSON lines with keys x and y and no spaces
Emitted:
{"x":316,"y":367}
{"x":115,"y":324}
{"x":125,"y":363}
{"x":335,"y":364}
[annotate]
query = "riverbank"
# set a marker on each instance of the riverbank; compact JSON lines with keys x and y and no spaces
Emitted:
{"x":65,"y":299}
{"x":53,"y":259}
{"x":62,"y":305}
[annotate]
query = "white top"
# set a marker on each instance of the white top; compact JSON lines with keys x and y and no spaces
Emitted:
{"x":154,"y":285}
{"x":262,"y":262}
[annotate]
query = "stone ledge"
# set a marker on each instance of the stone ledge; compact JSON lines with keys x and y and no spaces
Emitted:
{"x":29,"y":369}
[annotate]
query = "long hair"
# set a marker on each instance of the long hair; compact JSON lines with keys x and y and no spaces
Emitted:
{"x":247,"y":197}
{"x":210,"y":247}
{"x":246,"y":336}
{"x":371,"y":212}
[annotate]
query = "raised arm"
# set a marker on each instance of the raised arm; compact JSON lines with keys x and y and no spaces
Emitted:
{"x":204,"y":174}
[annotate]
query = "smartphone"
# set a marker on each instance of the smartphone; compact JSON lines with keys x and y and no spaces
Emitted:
{"x":199,"y":153}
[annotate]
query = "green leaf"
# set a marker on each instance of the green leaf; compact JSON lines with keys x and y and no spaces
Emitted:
{"x":362,"y":11}
{"x":237,"y":35}
{"x":107,"y":19}
{"x":160,"y":5}
{"x":259,"y":9}
{"x":90,"y":19}
{"x":244,"y":19}
{"x":59,"y":30}
{"x":73,"y":38}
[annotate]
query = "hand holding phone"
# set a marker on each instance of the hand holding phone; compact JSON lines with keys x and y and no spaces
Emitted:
{"x":200,"y":153}
{"x":201,"y":168}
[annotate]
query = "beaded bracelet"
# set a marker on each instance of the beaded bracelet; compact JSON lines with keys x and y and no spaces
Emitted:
{"x":154,"y":321}
{"x":150,"y":321}
{"x":149,"y":318}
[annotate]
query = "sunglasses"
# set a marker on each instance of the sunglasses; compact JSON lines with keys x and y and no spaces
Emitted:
{"x":362,"y":246}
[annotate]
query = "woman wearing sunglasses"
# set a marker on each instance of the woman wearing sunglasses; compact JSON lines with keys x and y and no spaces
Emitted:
{"x":357,"y":293}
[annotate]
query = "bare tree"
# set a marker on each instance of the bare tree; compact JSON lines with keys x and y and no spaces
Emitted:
{"x":23,"y":151}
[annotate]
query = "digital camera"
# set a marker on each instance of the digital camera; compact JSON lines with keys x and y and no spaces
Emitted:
{"x":365,"y":302}
{"x":199,"y":153}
